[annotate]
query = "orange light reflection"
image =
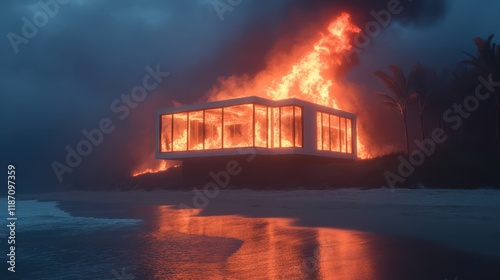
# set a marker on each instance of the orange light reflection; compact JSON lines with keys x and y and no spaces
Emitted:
{"x":234,"y":247}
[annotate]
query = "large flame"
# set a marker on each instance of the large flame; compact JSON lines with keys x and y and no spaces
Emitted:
{"x":310,"y":76}
{"x":309,"y":73}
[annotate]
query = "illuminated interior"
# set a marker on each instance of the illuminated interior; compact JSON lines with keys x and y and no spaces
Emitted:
{"x":270,"y":127}
{"x":334,"y":133}
{"x":236,"y":126}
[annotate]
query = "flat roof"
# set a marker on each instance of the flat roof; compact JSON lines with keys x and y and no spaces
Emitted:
{"x":254,"y":99}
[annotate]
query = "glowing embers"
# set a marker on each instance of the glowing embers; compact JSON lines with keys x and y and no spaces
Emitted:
{"x":334,"y":133}
{"x":237,"y":126}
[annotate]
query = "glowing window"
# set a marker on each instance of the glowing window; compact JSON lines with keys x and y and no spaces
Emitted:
{"x":298,"y":126}
{"x":166,"y":133}
{"x":238,"y":126}
{"x":349,"y":135}
{"x":180,"y":132}
{"x":325,"y":126}
{"x":213,"y":129}
{"x":195,"y":132}
{"x":275,"y":136}
{"x":319,"y":132}
{"x":286,"y":126}
{"x":261,"y":126}
{"x":334,"y":133}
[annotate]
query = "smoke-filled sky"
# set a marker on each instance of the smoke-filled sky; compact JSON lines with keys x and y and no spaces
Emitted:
{"x":63,"y":75}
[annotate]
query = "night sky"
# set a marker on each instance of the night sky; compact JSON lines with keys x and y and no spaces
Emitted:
{"x":65,"y":77}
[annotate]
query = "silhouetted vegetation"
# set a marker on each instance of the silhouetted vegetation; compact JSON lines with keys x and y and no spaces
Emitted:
{"x":464,"y":103}
{"x":401,"y":93}
{"x":487,"y":64}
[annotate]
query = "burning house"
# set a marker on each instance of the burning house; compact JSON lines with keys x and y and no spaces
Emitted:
{"x":255,"y":125}
{"x":289,"y":130}
{"x":291,"y":112}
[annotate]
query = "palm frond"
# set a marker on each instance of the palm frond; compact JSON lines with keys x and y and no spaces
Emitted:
{"x":487,"y":59}
{"x":473,"y":60}
{"x":390,"y":102}
{"x":388,"y":81}
{"x":399,"y":79}
{"x":387,"y":97}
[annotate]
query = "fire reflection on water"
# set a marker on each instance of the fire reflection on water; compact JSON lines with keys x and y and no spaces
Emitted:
{"x":187,"y":246}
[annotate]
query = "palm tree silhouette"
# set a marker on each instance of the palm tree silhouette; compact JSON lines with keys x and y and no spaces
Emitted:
{"x":487,"y":64}
{"x":400,"y":93}
{"x":424,"y":84}
{"x":487,"y":60}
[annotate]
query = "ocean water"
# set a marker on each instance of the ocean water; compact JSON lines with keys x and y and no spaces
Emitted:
{"x":53,"y":244}
{"x":118,"y":241}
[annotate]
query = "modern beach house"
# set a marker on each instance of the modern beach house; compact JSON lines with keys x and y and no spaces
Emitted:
{"x":254,"y":125}
{"x":282,"y":137}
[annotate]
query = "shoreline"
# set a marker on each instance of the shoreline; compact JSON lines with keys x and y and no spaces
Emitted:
{"x":463,"y":219}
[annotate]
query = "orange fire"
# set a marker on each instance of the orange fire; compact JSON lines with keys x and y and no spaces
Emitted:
{"x":309,"y":73}
{"x":155,"y":167}
{"x":309,"y":76}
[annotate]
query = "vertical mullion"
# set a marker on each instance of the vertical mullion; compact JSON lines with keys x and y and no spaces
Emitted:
{"x":172,"y":132}
{"x":321,"y":128}
{"x":279,"y":126}
{"x":222,"y":128}
{"x":302,"y":127}
{"x":352,"y":136}
{"x":267,"y":126}
{"x":329,"y":133}
{"x":342,"y":137}
{"x":271,"y":124}
{"x":345,"y":128}
{"x":293,"y":125}
{"x":203,"y":130}
{"x":159,"y":134}
{"x":340,"y":134}
{"x":253,"y":126}
{"x":187,"y":132}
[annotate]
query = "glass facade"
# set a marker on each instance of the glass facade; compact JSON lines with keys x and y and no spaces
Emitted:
{"x":212,"y":132}
{"x":238,"y":126}
{"x":334,"y":133}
